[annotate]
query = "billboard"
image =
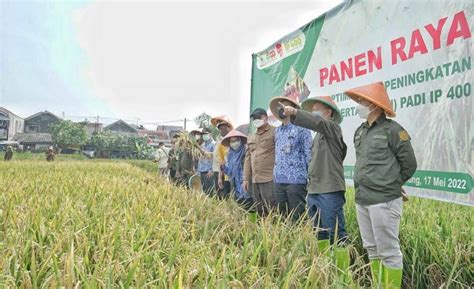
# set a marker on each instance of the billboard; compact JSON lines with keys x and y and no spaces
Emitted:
{"x":421,"y":50}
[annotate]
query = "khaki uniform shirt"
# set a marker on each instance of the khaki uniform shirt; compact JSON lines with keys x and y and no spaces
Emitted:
{"x":260,"y":156}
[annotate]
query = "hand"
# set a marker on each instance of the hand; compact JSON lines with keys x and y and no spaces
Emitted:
{"x":209,"y":174}
{"x":178,"y":175}
{"x":245,"y":184}
{"x":288,"y":110}
{"x":220,"y":183}
{"x":404,"y":195}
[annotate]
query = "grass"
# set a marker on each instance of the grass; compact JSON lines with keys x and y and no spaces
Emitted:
{"x":112,"y":224}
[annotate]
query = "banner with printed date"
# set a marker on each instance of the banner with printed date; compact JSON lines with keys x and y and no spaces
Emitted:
{"x":421,"y":50}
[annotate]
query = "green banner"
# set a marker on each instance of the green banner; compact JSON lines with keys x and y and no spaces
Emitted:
{"x":423,"y":56}
{"x":460,"y":183}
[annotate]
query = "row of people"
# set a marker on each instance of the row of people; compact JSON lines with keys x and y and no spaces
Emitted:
{"x":287,"y":170}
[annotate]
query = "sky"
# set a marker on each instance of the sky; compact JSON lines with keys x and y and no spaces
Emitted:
{"x":142,"y":61}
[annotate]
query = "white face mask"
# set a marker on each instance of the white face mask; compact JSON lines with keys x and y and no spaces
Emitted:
{"x":318,"y":113}
{"x":235,"y":144}
{"x":198,"y":136}
{"x":363,"y":111}
{"x":206,"y":137}
{"x":258,"y":122}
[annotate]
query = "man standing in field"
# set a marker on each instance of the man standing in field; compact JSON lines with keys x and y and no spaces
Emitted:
{"x":384,"y":162}
{"x":259,"y":163}
{"x":172,"y":158}
{"x":185,"y":160}
{"x":326,"y":185}
{"x":8,"y":154}
{"x":161,"y":158}
{"x":204,"y":166}
{"x":222,"y":184}
{"x":292,"y":156}
{"x":50,"y":154}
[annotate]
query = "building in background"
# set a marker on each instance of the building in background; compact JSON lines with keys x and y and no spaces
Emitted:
{"x":121,"y":126}
{"x":36,"y":134}
{"x":40,"y":122}
{"x":10,"y":124}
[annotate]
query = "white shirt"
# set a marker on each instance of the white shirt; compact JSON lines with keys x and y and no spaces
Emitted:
{"x":161,"y":158}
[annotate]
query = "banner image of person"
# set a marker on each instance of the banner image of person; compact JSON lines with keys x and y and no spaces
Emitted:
{"x":422,"y":55}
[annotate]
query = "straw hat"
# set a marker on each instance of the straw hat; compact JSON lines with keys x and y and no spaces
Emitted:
{"x":195,"y":132}
{"x":216,"y":121}
{"x":275,"y":106}
{"x":233,"y":133}
{"x":374,"y":93}
{"x":194,"y":183}
{"x":327,"y":100}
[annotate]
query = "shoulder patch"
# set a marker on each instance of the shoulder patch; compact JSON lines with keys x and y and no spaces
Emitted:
{"x":403,"y":135}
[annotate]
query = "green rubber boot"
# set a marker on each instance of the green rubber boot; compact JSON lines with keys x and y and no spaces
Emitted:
{"x":342,"y":263}
{"x":376,"y":272}
{"x":323,"y":247}
{"x":392,"y":278}
{"x":253,"y":217}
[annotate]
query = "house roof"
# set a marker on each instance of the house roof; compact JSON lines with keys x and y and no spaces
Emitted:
{"x":2,"y":109}
{"x":40,"y":113}
{"x":33,"y":137}
{"x":120,"y":122}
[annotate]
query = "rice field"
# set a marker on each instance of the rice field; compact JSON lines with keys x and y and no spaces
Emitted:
{"x":116,"y":224}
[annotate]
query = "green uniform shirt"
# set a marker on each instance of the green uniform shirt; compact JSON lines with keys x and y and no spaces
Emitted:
{"x":325,"y":172}
{"x":172,"y":159}
{"x":384,"y":161}
{"x":185,"y":162}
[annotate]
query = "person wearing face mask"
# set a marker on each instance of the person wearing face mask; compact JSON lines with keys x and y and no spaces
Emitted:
{"x":197,"y":135}
{"x":385,"y":160}
{"x":221,"y":181}
{"x":172,"y":161}
{"x":292,"y":156}
{"x":185,"y":165}
{"x":204,"y":166}
{"x":234,"y":165}
{"x":326,"y":185}
{"x":259,"y":163}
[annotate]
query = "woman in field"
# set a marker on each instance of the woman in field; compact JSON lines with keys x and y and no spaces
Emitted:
{"x":234,"y":166}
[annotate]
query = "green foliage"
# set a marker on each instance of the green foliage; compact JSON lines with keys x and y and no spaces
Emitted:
{"x":120,"y":145}
{"x":204,"y":121}
{"x":67,"y":134}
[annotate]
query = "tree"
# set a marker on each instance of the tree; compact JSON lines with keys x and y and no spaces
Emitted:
{"x":204,"y":121}
{"x":67,"y":134}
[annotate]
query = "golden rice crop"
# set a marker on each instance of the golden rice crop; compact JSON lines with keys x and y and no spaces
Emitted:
{"x":113,"y":224}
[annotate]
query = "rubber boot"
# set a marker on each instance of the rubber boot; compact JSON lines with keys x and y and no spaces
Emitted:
{"x":376,"y":272}
{"x":392,"y":278}
{"x":323,"y":247}
{"x":253,"y":217}
{"x":342,"y":263}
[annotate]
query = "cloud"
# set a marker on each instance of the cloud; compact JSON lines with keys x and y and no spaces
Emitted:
{"x":161,"y":61}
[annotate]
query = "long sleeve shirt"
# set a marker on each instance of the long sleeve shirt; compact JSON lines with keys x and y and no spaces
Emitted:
{"x":292,"y":154}
{"x":326,"y":172}
{"x":205,"y":162}
{"x":384,"y":161}
{"x":260,"y":156}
